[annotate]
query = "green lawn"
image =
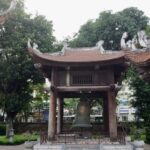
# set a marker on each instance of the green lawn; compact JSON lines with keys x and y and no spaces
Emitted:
{"x":18,"y":139}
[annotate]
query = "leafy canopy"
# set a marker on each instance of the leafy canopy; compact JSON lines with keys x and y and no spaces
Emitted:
{"x":17,"y":70}
{"x":110,"y":27}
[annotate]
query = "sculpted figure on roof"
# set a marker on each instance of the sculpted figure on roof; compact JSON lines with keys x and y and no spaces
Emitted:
{"x":65,"y":45}
{"x":140,"y":39}
{"x":123,"y":40}
{"x":99,"y":44}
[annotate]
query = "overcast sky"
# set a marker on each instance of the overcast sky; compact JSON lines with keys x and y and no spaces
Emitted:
{"x":68,"y":15}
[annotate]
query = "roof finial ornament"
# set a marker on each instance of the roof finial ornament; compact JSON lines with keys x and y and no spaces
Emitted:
{"x":29,"y":43}
{"x":134,"y":43}
{"x":129,"y":44}
{"x":35,"y":46}
{"x":65,"y":45}
{"x":142,"y":38}
{"x":99,"y":44}
{"x":12,"y":5}
{"x":123,"y":40}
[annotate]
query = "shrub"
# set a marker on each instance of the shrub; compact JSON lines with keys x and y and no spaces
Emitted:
{"x":18,"y":139}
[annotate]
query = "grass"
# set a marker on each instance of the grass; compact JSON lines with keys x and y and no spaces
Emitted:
{"x":18,"y":139}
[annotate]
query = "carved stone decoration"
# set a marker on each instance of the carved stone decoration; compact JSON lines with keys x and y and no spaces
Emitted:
{"x":123,"y":40}
{"x":65,"y":45}
{"x":142,"y":38}
{"x":148,"y":43}
{"x":29,"y":43}
{"x":129,"y":44}
{"x":38,"y":65}
{"x":134,"y":43}
{"x":34,"y":47}
{"x":47,"y":85}
{"x":99,"y":44}
{"x":4,"y":15}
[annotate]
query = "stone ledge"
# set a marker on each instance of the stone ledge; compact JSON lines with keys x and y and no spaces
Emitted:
{"x":116,"y":147}
{"x":83,"y":147}
{"x":48,"y":147}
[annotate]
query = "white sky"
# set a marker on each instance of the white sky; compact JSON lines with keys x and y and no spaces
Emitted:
{"x":68,"y":15}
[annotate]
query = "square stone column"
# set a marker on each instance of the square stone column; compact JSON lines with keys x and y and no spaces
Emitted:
{"x":112,"y":118}
{"x":60,"y":115}
{"x":105,"y":115}
{"x":52,"y":116}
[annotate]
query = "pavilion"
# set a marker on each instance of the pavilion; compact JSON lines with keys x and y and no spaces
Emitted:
{"x":91,"y":71}
{"x":76,"y":71}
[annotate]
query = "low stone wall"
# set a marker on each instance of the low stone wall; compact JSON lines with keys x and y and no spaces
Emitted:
{"x":32,"y":127}
{"x":37,"y":127}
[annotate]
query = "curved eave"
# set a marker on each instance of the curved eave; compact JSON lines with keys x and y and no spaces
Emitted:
{"x":44,"y":59}
{"x":143,"y":64}
{"x":143,"y":61}
{"x":4,"y":15}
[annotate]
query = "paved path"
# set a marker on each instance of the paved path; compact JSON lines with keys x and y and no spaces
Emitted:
{"x":147,"y":147}
{"x":21,"y":147}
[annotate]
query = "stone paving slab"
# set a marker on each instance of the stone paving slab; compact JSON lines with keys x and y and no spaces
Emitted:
{"x":21,"y":147}
{"x":147,"y":147}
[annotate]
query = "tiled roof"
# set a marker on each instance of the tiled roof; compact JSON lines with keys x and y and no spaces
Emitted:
{"x":81,"y":55}
{"x":92,"y":55}
{"x":139,"y":57}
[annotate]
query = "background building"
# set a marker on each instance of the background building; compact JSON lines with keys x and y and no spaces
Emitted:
{"x":125,"y":112}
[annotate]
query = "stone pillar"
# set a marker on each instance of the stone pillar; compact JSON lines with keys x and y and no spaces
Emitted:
{"x":60,"y":115}
{"x":105,"y":115}
{"x":68,"y":76}
{"x":112,"y":114}
{"x":52,"y":117}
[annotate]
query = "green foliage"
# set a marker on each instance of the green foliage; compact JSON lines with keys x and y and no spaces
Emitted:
{"x":17,"y":69}
{"x":141,"y":96}
{"x":71,"y":104}
{"x":148,"y":30}
{"x":4,"y":4}
{"x":110,"y":27}
{"x":2,"y":129}
{"x":40,"y":99}
{"x":18,"y":139}
{"x":86,"y":35}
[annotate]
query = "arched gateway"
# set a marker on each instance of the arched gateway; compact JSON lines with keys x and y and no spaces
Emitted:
{"x":95,"y":73}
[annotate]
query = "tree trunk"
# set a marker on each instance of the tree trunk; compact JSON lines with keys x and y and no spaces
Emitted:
{"x":9,"y":127}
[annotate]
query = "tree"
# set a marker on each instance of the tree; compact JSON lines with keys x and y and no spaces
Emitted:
{"x":141,"y":95}
{"x":86,"y":35}
{"x":110,"y":27}
{"x":148,"y":30}
{"x":16,"y":68}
